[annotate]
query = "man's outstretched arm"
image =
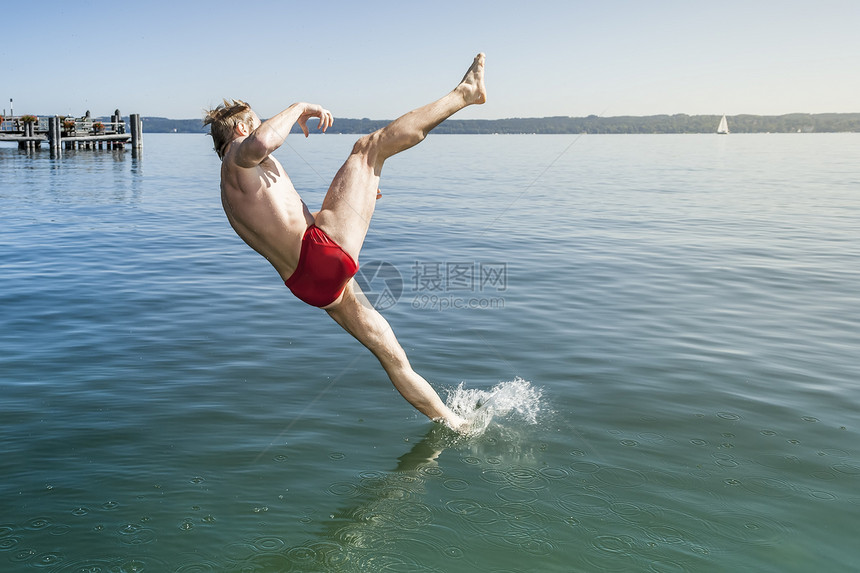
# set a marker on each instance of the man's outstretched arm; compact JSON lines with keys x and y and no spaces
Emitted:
{"x":270,"y":135}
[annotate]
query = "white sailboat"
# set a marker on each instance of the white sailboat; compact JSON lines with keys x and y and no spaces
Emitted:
{"x":723,"y":129}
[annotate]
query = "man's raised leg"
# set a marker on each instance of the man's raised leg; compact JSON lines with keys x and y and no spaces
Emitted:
{"x":351,"y":198}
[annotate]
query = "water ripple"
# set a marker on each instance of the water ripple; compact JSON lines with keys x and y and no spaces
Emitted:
{"x":620,"y":477}
{"x":584,"y":504}
{"x":38,"y":523}
{"x":511,"y":494}
{"x":768,"y":487}
{"x":344,"y":489}
{"x":394,"y":562}
{"x":412,"y":515}
{"x":133,"y":534}
{"x":747,"y":528}
{"x":455,"y":484}
{"x":48,"y":560}
{"x":269,"y":543}
{"x":199,"y":567}
{"x":554,"y":473}
{"x":848,"y":469}
{"x":585,"y":467}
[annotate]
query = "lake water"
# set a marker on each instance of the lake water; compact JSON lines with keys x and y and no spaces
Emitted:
{"x":669,"y":326}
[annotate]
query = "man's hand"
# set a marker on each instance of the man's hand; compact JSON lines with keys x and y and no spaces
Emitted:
{"x":314,"y":110}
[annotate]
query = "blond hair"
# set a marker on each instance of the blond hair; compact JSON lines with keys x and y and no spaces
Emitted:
{"x":223,"y":120}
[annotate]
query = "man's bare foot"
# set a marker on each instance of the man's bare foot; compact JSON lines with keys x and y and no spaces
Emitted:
{"x":454,"y":422}
{"x":472,"y":85}
{"x":458,"y":424}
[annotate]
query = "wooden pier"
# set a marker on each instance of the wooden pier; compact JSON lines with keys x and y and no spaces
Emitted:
{"x":60,"y":132}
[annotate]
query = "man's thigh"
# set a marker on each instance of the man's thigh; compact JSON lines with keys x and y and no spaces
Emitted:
{"x":349,"y":203}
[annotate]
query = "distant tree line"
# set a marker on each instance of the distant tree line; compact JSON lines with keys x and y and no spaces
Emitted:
{"x":679,"y":123}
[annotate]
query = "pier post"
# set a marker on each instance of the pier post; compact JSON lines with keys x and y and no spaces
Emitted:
{"x":136,"y":131}
{"x":54,"y":134}
{"x":28,"y":133}
{"x":115,"y":119}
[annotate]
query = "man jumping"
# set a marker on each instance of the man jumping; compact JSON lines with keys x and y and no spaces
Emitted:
{"x":316,"y":254}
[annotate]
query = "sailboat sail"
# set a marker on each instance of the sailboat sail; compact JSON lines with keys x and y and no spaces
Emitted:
{"x":724,"y":126}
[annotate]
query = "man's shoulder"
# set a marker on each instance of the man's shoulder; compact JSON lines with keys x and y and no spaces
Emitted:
{"x":233,"y":161}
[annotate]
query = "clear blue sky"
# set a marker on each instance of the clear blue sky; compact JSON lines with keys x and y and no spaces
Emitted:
{"x":377,"y":59}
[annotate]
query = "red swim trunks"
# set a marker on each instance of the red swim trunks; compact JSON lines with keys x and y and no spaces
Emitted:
{"x":324,"y":269}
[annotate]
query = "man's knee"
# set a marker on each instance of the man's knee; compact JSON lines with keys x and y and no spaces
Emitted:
{"x":368,"y":148}
{"x":366,"y":144}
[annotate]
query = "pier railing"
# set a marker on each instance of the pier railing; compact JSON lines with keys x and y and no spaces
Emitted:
{"x":78,"y":125}
{"x":62,"y":131}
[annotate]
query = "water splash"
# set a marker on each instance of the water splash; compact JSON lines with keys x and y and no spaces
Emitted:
{"x":514,"y":399}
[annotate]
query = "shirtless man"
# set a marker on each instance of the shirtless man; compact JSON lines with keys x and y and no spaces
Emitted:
{"x":316,"y":254}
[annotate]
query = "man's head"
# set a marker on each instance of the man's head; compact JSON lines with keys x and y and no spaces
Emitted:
{"x":224,"y":119}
